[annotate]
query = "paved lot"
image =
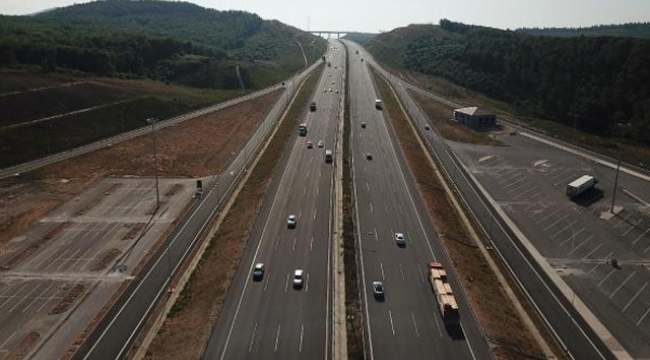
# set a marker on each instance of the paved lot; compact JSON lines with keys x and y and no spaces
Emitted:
{"x":78,"y":244}
{"x":579,"y":238}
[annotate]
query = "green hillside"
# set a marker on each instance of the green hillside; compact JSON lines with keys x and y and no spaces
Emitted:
{"x":173,"y":41}
{"x":596,"y":83}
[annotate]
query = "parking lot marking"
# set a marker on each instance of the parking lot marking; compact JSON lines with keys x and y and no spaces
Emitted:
{"x":555,"y":222}
{"x":82,"y":257}
{"x":549,"y":215}
{"x":528,"y":190}
{"x":580,"y":245}
{"x":508,"y":179}
{"x":46,"y":258}
{"x":575,"y":235}
{"x":485,"y":158}
{"x":521,"y":186}
{"x":515,"y":183}
{"x":606,"y":277}
{"x":8,"y":339}
{"x":620,"y":286}
{"x":24,"y":297}
{"x":643,"y":317}
{"x":57,"y":259}
{"x":640,"y":236}
{"x":39,"y":297}
{"x":65,"y":261}
{"x":592,"y":251}
{"x":505,"y":173}
{"x":560,"y":174}
{"x":621,"y":221}
{"x":10,"y":297}
{"x":563,"y":229}
{"x":53,"y":297}
{"x":635,"y":296}
{"x":90,"y":260}
{"x":631,"y":227}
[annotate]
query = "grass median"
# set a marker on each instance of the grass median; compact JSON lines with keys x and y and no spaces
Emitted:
{"x":190,"y":322}
{"x":494,"y":311}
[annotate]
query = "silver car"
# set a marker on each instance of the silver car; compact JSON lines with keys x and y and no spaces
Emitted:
{"x":298,"y":279}
{"x":400,"y":240}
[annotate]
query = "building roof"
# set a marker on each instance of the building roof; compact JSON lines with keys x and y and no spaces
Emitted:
{"x":474,"y":111}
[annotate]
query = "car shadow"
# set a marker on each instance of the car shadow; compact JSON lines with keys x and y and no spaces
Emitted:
{"x":455,"y":331}
{"x":588,"y":198}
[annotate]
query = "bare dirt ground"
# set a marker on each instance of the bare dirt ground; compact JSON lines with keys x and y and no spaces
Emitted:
{"x":195,"y":148}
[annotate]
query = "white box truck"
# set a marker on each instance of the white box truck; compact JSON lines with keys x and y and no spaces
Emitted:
{"x":580,"y":185}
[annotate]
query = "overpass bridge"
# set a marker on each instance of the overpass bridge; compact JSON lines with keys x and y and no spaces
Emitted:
{"x":338,"y":33}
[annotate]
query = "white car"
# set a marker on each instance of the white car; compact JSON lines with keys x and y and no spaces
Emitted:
{"x":291,"y":222}
{"x":298,"y":279}
{"x":321,"y":144}
{"x":336,"y":91}
{"x":400,"y":240}
{"x":378,"y":290}
{"x":330,"y":89}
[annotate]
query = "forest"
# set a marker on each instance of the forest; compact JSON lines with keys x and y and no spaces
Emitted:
{"x":639,"y":30}
{"x":147,"y":38}
{"x":597,"y":84}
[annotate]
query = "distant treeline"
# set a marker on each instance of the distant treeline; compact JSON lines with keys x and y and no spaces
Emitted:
{"x":159,"y":39}
{"x":599,"y":84}
{"x":639,"y":30}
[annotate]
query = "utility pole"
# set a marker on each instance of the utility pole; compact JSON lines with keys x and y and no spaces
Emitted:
{"x":153,"y":122}
{"x":618,"y":166}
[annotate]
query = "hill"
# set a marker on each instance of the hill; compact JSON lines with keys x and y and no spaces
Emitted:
{"x":596,"y":83}
{"x":174,"y":41}
{"x":638,"y":30}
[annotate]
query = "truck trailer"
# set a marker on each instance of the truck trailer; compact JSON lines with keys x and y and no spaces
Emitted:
{"x":444,"y":295}
{"x":580,"y":185}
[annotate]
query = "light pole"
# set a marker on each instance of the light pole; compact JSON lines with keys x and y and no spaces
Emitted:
{"x":618,"y":166}
{"x":153,"y":122}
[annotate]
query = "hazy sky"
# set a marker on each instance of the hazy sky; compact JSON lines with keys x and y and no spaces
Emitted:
{"x":385,"y":15}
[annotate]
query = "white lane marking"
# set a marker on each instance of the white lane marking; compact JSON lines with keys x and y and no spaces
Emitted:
{"x":307,"y":283}
{"x":266,"y":281}
{"x":286,"y":283}
{"x":308,"y":173}
{"x":383,"y":275}
{"x":304,"y":191}
{"x":311,"y":244}
{"x":302,"y":330}
{"x":367,"y":186}
{"x":293,"y":248}
{"x":402,"y":272}
{"x":371,"y":208}
{"x":376,"y":236}
{"x":606,"y":277}
{"x":277,"y":338}
{"x":485,"y":158}
{"x":315,"y":211}
{"x":250,"y":347}
{"x":386,"y":208}
{"x":420,"y":273}
{"x":317,"y":191}
{"x":392,"y":327}
{"x":635,"y":296}
{"x":620,"y":286}
{"x":400,"y":209}
{"x":415,"y":325}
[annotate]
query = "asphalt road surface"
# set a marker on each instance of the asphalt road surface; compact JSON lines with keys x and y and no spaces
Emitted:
{"x":270,"y":319}
{"x":407,"y":323}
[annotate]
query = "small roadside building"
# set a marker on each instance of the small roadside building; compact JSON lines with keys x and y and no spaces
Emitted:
{"x":475,"y":117}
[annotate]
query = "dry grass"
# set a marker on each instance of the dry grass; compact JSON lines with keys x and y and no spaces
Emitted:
{"x":190,"y":321}
{"x":68,"y":300}
{"x":19,"y":352}
{"x":496,"y":315}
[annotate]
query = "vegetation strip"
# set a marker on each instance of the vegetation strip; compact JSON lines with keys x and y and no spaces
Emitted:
{"x":24,"y":346}
{"x":189,"y":323}
{"x":493,"y":310}
{"x":68,"y":300}
{"x":352,"y":300}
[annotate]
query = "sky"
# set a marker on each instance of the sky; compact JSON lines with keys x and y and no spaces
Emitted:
{"x":385,"y":15}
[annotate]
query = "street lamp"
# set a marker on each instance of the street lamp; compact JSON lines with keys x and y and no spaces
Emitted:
{"x":618,"y":166}
{"x":153,"y":122}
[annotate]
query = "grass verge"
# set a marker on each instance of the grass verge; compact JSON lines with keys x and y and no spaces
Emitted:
{"x":494,"y":312}
{"x":185,"y":331}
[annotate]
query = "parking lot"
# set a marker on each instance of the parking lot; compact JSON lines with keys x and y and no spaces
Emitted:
{"x":49,"y":270}
{"x":602,"y":255}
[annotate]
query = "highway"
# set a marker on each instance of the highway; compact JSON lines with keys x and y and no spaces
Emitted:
{"x":116,"y":332}
{"x":576,"y":338}
{"x":270,"y":319}
{"x":407,"y":323}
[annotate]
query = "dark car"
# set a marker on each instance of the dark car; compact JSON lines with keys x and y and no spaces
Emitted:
{"x":258,"y":272}
{"x":378,"y":290}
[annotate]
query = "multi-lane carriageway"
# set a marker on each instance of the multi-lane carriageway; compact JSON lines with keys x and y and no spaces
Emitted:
{"x":270,"y":319}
